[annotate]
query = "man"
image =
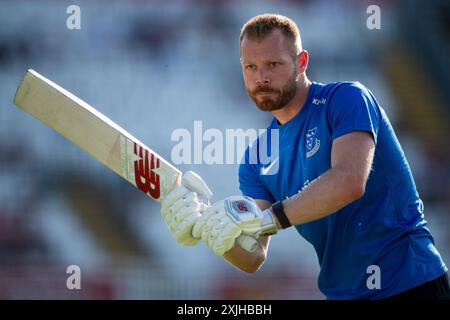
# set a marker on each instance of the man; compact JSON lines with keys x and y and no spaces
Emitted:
{"x":342,"y":180}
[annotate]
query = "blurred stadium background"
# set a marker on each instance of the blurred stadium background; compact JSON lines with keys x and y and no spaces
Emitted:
{"x":155,"y":66}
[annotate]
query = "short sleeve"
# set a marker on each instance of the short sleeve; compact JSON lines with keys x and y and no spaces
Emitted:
{"x":250,"y":183}
{"x":353,"y":108}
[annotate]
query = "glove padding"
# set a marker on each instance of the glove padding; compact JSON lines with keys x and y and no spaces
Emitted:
{"x":220,"y":225}
{"x":183,"y":206}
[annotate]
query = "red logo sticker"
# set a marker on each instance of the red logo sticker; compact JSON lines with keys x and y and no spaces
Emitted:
{"x":146,"y":179}
{"x":242,"y":206}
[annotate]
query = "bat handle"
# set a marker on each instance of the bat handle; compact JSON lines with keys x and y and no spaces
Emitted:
{"x":248,"y":243}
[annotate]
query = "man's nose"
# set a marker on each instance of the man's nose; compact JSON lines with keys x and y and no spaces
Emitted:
{"x":262,"y":78}
{"x":263,"y":81}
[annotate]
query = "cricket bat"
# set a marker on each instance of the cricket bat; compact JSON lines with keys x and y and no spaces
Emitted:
{"x":100,"y":137}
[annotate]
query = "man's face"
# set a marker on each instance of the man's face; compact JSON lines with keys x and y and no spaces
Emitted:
{"x":269,"y":70}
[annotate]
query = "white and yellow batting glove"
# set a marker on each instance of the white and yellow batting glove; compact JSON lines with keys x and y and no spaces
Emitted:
{"x":220,"y":225}
{"x":183,"y":206}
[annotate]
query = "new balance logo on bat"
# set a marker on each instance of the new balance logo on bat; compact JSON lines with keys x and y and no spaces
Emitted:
{"x":139,"y":167}
{"x":145,"y":177}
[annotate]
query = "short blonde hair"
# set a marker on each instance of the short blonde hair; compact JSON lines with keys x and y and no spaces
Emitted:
{"x":262,"y":25}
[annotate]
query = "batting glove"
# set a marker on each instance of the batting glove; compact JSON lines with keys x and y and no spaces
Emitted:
{"x":220,"y":225}
{"x":183,"y":206}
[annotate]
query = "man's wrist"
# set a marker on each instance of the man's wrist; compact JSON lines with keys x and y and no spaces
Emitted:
{"x":281,"y":217}
{"x":268,"y":223}
{"x":277,"y":222}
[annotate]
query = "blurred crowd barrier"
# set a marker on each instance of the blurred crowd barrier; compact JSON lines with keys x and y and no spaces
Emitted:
{"x":154,"y":67}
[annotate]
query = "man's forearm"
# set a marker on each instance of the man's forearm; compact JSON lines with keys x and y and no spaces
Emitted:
{"x":324,"y":196}
{"x":248,"y":261}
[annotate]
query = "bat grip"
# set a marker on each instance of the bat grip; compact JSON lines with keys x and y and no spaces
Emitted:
{"x":248,"y":243}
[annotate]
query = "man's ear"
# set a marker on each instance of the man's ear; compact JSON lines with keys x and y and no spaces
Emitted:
{"x":303,"y":59}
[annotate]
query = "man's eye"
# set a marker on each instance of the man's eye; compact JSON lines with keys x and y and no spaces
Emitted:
{"x":250,"y":67}
{"x":273,"y":64}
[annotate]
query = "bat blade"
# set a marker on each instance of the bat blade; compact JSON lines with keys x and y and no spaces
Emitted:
{"x":96,"y":134}
{"x":100,"y":137}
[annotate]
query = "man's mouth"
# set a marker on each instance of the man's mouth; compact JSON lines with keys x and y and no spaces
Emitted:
{"x":264,"y":92}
